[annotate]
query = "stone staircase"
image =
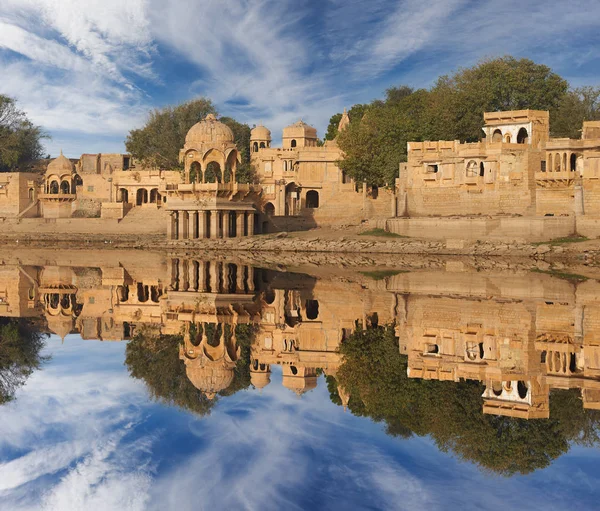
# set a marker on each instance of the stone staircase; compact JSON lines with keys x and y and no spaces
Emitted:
{"x":145,"y":220}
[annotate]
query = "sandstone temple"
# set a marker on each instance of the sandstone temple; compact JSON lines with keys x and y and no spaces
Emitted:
{"x":516,"y":182}
{"x":521,"y":335}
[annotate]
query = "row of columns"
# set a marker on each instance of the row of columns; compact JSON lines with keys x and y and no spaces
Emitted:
{"x":214,"y":224}
{"x":211,"y":277}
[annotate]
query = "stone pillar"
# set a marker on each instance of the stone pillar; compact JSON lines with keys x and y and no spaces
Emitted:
{"x":202,"y":277}
{"x":214,"y":277}
{"x":239,"y":224}
{"x":172,"y":226}
{"x":250,"y":279}
{"x":185,"y":275}
{"x":225,"y":275}
{"x":173,"y":270}
{"x":214,"y":225}
{"x":226,"y":220}
{"x":201,"y":224}
{"x":251,"y":223}
{"x":183,"y":225}
{"x":194,"y":225}
{"x":194,"y":276}
{"x":239,"y":284}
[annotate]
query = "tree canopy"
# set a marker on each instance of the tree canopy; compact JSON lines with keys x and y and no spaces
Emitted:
{"x":154,"y":358}
{"x":374,"y":372}
{"x":20,"y":354}
{"x":452,"y":109}
{"x":20,"y":139}
{"x":158,"y":143}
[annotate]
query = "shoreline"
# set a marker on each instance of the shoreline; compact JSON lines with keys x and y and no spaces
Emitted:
{"x":315,"y":241}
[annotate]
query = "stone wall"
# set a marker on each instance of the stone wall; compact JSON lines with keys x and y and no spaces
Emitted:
{"x":510,"y":228}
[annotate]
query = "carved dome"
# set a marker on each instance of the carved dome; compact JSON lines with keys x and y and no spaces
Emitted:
{"x":60,"y":325}
{"x":61,"y":165}
{"x":210,"y":378}
{"x":260,"y":380}
{"x":260,"y":133}
{"x":209,"y":131}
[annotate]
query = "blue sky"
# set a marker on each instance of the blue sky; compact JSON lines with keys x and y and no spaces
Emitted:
{"x":89,"y":70}
{"x":82,"y":435}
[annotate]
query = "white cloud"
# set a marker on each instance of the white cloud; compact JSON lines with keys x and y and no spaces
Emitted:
{"x":72,"y":422}
{"x":94,"y":67}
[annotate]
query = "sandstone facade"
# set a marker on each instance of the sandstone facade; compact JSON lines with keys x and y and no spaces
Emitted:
{"x":520,"y":334}
{"x":517,"y":183}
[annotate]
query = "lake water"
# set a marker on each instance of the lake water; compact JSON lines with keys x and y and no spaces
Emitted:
{"x":133,"y":380}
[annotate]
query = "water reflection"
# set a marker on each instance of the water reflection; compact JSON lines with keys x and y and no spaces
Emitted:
{"x":502,"y":368}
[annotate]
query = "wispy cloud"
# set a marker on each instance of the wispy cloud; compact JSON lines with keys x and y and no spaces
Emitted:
{"x":96,"y":67}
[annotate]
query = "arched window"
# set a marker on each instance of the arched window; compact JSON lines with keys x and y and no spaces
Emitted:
{"x":312,"y":309}
{"x":472,"y":169}
{"x":141,"y":196}
{"x":255,"y":147}
{"x":154,"y":195}
{"x":293,"y":144}
{"x":30,"y":194}
{"x":262,"y":145}
{"x":481,"y":169}
{"x":522,"y":389}
{"x":522,"y":136}
{"x":549,"y":167}
{"x":77,"y":181}
{"x":312,"y":199}
{"x":557,"y":160}
{"x":213,"y":173}
{"x":143,"y":292}
{"x":507,"y":138}
{"x":269,"y":209}
{"x":497,"y":136}
{"x":123,"y":195}
{"x":564,"y":164}
{"x":573,"y":162}
{"x":195,"y":172}
{"x":65,"y":187}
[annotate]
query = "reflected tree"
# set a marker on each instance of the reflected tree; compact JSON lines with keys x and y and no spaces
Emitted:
{"x":21,"y":344}
{"x":154,"y":358}
{"x":374,"y":372}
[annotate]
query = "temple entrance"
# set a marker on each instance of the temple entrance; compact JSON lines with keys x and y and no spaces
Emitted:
{"x":291,"y":200}
{"x":142,"y":196}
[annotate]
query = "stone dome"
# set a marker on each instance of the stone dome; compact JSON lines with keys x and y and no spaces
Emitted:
{"x":209,"y":131}
{"x":61,"y":165}
{"x":60,"y":325}
{"x":260,"y":133}
{"x":210,"y":378}
{"x":260,"y":380}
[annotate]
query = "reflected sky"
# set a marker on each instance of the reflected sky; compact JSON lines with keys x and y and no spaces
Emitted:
{"x":82,"y":434}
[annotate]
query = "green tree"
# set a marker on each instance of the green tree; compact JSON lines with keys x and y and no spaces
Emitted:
{"x":578,"y":105}
{"x":20,"y":347}
{"x":159,"y":141}
{"x":450,"y":110}
{"x":20,"y":139}
{"x":246,"y":173}
{"x":374,"y":372}
{"x":154,"y":358}
{"x":355,"y":113}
